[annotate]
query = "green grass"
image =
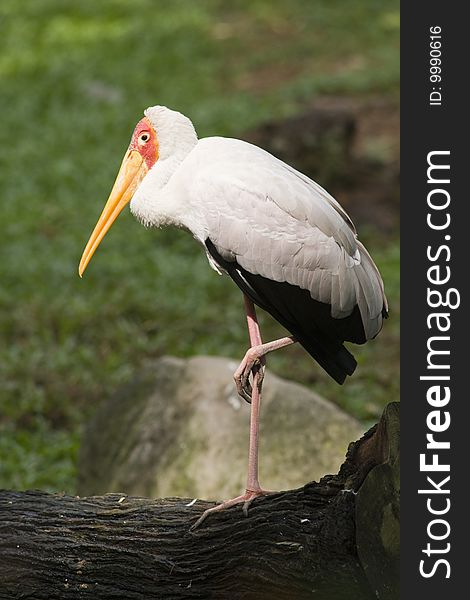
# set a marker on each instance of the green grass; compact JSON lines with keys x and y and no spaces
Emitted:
{"x":74,"y":79}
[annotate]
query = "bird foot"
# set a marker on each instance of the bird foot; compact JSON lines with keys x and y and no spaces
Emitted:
{"x":253,"y":362}
{"x":246,"y":498}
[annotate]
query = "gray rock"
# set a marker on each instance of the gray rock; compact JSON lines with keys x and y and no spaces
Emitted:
{"x":181,"y":430}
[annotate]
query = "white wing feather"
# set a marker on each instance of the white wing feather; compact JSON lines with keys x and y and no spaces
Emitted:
{"x":278,"y":223}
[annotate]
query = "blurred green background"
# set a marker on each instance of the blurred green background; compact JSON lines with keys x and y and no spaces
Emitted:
{"x":74,"y":79}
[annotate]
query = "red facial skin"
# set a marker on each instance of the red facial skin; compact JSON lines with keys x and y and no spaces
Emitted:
{"x":147,"y":147}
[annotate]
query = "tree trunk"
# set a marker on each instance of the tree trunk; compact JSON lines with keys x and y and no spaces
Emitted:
{"x":292,"y":545}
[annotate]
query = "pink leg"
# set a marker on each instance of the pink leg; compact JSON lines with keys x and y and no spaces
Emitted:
{"x":252,"y":363}
{"x":252,"y":483}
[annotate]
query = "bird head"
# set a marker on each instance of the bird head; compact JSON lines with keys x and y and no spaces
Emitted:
{"x":140,"y":157}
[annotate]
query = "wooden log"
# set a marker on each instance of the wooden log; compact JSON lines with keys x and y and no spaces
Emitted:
{"x":295,"y":545}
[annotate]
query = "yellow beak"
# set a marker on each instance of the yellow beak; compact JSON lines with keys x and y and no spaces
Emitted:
{"x":133,"y":170}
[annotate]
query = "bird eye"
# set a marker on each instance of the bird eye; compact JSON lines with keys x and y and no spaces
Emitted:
{"x":143,"y":138}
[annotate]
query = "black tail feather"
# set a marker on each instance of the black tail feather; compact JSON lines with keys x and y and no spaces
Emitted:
{"x":308,"y":320}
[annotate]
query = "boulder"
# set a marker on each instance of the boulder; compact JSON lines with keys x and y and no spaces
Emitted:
{"x":179,"y":429}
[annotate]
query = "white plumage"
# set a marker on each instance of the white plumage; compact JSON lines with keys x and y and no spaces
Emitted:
{"x":260,"y":213}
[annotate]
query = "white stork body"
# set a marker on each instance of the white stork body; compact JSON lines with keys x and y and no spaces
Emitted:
{"x":282,"y":238}
{"x":265,"y":219}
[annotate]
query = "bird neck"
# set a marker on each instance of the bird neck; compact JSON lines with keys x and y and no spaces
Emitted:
{"x":152,"y":204}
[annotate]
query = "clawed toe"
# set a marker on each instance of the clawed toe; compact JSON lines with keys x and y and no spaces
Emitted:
{"x":246,"y":506}
{"x":247,"y":498}
{"x":251,"y":365}
{"x":244,"y":386}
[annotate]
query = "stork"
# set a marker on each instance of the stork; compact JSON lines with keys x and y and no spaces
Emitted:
{"x":288,"y":245}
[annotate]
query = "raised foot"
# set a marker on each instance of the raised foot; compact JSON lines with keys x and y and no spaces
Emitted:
{"x":246,"y":498}
{"x":252,"y":363}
